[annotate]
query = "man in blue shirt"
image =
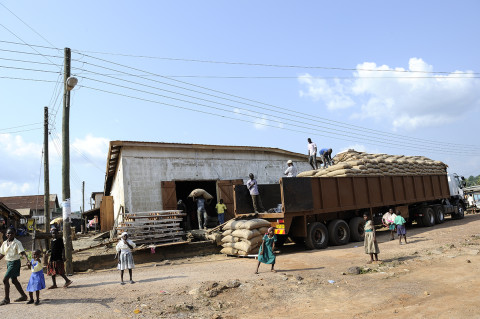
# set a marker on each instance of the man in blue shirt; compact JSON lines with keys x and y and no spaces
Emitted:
{"x":326,"y":156}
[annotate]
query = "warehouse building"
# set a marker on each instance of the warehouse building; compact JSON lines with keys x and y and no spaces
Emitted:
{"x":147,"y":176}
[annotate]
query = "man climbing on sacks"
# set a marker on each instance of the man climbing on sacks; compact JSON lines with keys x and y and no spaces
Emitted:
{"x":253,"y":188}
{"x":326,"y":156}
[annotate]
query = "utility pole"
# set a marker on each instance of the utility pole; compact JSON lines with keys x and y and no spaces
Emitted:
{"x":46,"y":181}
{"x":67,"y":237}
{"x":83,"y":197}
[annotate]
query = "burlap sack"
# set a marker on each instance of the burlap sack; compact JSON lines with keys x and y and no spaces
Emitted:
{"x":246,"y":246}
{"x":227,"y":245}
{"x":307,"y":173}
{"x":233,"y":224}
{"x":227,"y":232}
{"x":200,"y":192}
{"x":230,"y":239}
{"x":245,"y":233}
{"x":255,"y":223}
{"x":229,"y":251}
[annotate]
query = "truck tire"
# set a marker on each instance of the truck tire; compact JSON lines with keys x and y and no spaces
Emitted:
{"x":338,"y":232}
{"x":357,"y":228}
{"x":428,"y":217}
{"x":439,"y":215}
{"x":317,"y":236}
{"x":461,"y":212}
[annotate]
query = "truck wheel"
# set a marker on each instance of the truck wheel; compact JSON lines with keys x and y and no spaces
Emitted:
{"x":461,"y":212}
{"x":317,"y":236}
{"x":439,"y":215}
{"x":357,"y":228}
{"x":428,"y":217}
{"x":338,"y":232}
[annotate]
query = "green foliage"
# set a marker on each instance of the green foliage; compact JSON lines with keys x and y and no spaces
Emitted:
{"x":473,"y":180}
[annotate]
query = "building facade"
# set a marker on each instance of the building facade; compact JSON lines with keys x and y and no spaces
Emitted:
{"x":146,"y":176}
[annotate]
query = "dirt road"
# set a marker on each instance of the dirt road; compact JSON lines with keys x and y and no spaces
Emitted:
{"x":435,"y":275}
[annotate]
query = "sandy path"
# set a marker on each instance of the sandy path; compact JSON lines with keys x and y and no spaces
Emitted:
{"x":435,"y":275}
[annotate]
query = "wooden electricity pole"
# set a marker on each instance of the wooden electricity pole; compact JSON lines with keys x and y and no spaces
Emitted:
{"x":46,"y":181}
{"x":83,"y":197}
{"x":67,"y":237}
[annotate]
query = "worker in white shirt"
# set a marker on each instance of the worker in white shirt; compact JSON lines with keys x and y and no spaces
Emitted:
{"x":291,"y":170}
{"x":312,"y":154}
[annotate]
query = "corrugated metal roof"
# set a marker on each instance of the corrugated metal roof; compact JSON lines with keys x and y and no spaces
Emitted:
{"x":31,"y":201}
{"x":24,"y":211}
{"x":115,"y":148}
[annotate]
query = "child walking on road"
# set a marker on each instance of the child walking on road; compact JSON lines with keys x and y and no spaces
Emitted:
{"x":125,"y":259}
{"x":56,"y":265}
{"x":265,"y":254}
{"x":370,"y":244}
{"x":401,"y":229}
{"x":12,"y":250}
{"x":37,"y":279}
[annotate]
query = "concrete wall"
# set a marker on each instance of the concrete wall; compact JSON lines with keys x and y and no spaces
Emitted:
{"x":118,"y":191}
{"x":144,"y":169}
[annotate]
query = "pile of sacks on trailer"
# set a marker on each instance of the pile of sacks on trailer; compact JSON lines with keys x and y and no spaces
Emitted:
{"x":353,"y":163}
{"x":243,"y":237}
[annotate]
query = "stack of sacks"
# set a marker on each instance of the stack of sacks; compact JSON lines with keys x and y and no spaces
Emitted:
{"x":243,"y":237}
{"x":353,"y":163}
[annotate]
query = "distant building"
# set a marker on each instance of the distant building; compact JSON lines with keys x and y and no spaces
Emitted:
{"x":146,"y":176}
{"x":96,"y":199}
{"x":31,"y":207}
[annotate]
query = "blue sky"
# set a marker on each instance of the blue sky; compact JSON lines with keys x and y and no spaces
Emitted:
{"x":345,"y":95}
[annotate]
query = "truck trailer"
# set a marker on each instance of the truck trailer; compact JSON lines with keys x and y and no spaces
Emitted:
{"x":322,"y":211}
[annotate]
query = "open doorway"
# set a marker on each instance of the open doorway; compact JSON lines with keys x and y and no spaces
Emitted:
{"x":184,"y":188}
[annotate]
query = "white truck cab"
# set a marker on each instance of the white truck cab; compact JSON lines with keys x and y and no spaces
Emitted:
{"x":456,"y":184}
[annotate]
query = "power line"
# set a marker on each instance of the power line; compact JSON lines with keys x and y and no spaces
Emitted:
{"x":27,"y":69}
{"x":33,"y":45}
{"x":25,"y":61}
{"x":248,"y":121}
{"x":340,"y":132}
{"x":27,"y":25}
{"x":24,"y":79}
{"x":288,"y":112}
{"x":45,"y":56}
{"x":21,"y":131}
{"x":320,"y":119}
{"x":285,"y":77}
{"x":12,"y":127}
{"x":31,"y":53}
{"x":264,"y":64}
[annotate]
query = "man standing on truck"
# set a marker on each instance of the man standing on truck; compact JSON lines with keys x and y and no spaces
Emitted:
{"x":253,"y":188}
{"x":326,"y":156}
{"x":312,"y":154}
{"x":291,"y":170}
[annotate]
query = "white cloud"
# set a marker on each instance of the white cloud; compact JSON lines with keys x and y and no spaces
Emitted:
{"x":406,"y":99}
{"x":15,"y":146}
{"x":335,"y":96}
{"x":17,"y":189}
{"x":91,"y":146}
{"x":261,"y":123}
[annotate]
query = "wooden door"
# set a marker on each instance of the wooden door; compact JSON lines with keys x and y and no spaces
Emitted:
{"x":225,"y":192}
{"x":106,"y":213}
{"x":169,"y":195}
